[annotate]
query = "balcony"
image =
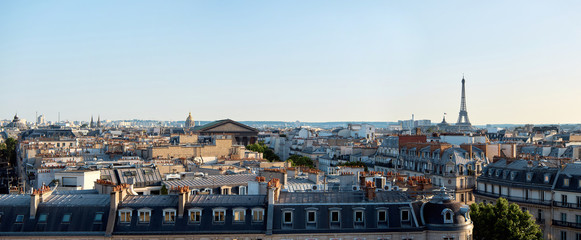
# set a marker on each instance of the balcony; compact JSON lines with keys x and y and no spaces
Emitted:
{"x":566,"y":205}
{"x":514,"y":199}
{"x":567,"y":224}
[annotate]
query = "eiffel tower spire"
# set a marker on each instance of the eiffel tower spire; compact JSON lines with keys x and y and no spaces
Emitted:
{"x":463,"y":115}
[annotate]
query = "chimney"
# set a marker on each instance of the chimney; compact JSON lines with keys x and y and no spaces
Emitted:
{"x":184,"y":196}
{"x":37,"y":197}
{"x":118,"y":193}
{"x":273,"y":190}
{"x":370,"y":190}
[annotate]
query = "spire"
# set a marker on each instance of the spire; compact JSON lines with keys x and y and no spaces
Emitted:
{"x":99,"y":121}
{"x":92,"y":125}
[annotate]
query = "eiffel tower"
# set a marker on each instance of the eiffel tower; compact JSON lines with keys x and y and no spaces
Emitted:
{"x":463,"y":116}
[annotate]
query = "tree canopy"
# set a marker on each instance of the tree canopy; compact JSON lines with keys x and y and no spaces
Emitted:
{"x":8,"y":151}
{"x":297,"y":160}
{"x":503,"y":221}
{"x":267,"y":153}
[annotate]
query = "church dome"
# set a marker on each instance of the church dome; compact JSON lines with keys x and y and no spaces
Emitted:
{"x":17,"y":123}
{"x":190,"y":121}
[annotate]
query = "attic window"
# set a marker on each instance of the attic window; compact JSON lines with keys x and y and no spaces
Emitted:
{"x":405,"y":215}
{"x":129,"y":173}
{"x":505,"y":174}
{"x":529,"y":176}
{"x":169,"y":216}
{"x":448,"y":213}
{"x":147,"y":171}
{"x":498,"y":172}
{"x":547,"y":178}
{"x":195,"y":215}
{"x":144,"y":215}
{"x":566,"y":182}
{"x":239,"y":214}
{"x":513,"y":175}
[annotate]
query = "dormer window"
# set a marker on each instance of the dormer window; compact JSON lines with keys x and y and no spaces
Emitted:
{"x":513,"y":175}
{"x":19,"y":218}
{"x":498,"y":172}
{"x":144,"y":215}
{"x":565,"y":182}
{"x":529,"y":176}
{"x":405,"y":215}
{"x":239,"y":214}
{"x":358,"y":216}
{"x":448,"y":215}
{"x":242,"y":190}
{"x":169,"y":215}
{"x":125,"y":216}
{"x":490,"y":172}
{"x":547,"y":178}
{"x":195,"y":215}
{"x":219,"y":215}
{"x":257,"y":214}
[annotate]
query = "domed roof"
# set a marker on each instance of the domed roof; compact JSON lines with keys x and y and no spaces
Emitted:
{"x":190,"y":121}
{"x":17,"y":123}
{"x":443,"y":212}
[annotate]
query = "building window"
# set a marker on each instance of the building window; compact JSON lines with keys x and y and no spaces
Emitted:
{"x":335,"y":216}
{"x":242,"y":190}
{"x":358,"y":215}
{"x":563,"y":217}
{"x":311,"y":216}
{"x":382,"y":216}
{"x":239,"y":215}
{"x":19,"y":218}
{"x":257,"y":215}
{"x":42,"y":218}
{"x":563,"y":235}
{"x":529,"y":176}
{"x":547,"y":177}
{"x":98,"y":217}
{"x":144,"y":215}
{"x":124,"y":216}
{"x":577,"y":236}
{"x":169,"y":216}
{"x":405,"y":215}
{"x":578,"y":219}
{"x":448,"y":215}
{"x":565,"y":182}
{"x":195,"y":215}
{"x":66,"y":218}
{"x":219,"y":215}
{"x":287,"y":217}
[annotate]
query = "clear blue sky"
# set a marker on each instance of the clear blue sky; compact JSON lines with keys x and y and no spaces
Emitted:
{"x":291,"y":60}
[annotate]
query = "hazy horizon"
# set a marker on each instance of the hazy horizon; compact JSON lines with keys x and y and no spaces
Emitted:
{"x":323,"y":61}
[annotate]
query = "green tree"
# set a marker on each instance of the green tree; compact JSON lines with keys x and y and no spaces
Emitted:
{"x":503,"y":221}
{"x":267,"y":153}
{"x":164,"y":190}
{"x":297,"y":160}
{"x":8,"y":151}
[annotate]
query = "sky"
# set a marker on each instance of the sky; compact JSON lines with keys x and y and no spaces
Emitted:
{"x":312,"y":61}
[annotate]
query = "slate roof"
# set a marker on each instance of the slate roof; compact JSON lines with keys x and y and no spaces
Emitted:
{"x":226,"y":200}
{"x":340,"y":197}
{"x":77,"y":200}
{"x":216,"y":180}
{"x":150,"y":200}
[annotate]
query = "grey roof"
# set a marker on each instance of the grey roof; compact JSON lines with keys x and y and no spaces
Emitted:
{"x":226,"y":200}
{"x":150,"y":200}
{"x":340,"y":197}
{"x":77,"y":200}
{"x":217,"y":180}
{"x":12,"y":200}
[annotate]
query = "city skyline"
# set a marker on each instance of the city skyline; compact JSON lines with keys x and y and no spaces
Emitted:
{"x":283,"y":61}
